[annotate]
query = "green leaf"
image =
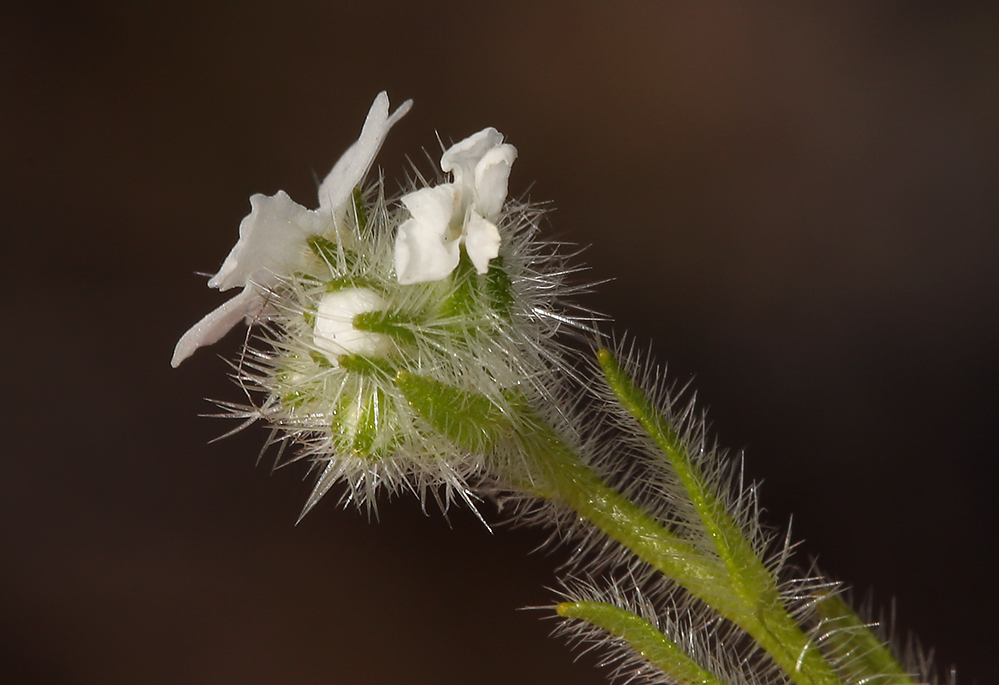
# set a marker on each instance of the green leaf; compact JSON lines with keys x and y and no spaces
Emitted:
{"x":749,"y":575}
{"x":643,"y":637}
{"x":862,"y":656}
{"x":463,"y":299}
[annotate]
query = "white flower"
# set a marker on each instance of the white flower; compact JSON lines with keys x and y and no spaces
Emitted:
{"x":272,"y":238}
{"x":427,"y":246}
{"x":335,"y":332}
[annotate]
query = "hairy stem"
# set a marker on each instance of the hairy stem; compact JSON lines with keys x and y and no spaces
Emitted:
{"x":574,"y":484}
{"x":554,"y":471}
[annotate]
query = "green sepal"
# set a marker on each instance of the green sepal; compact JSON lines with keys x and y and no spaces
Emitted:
{"x":296,"y":398}
{"x":643,"y":637}
{"x":304,"y":277}
{"x":471,"y":421}
{"x":366,"y":366}
{"x":392,"y":324}
{"x":358,"y":421}
{"x":463,"y":299}
{"x":360,"y":213}
{"x":331,"y":253}
{"x":869,"y":660}
{"x":371,"y":419}
{"x":324,"y":248}
{"x":320,"y":359}
{"x":499,"y":287}
{"x":343,"y":282}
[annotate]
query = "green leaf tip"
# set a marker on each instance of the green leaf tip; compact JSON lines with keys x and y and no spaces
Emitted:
{"x":643,"y":637}
{"x":865,"y":656}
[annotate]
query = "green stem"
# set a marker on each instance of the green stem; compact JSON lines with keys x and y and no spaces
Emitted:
{"x":574,"y":484}
{"x":747,"y":573}
{"x":761,"y":612}
{"x":554,"y":471}
{"x":558,"y":474}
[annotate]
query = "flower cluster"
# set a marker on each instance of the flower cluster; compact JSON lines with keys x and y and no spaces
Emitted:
{"x":447,"y":283}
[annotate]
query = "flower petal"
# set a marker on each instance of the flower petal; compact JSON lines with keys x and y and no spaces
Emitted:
{"x":421,"y":254}
{"x":424,"y":250}
{"x":335,"y":332}
{"x":460,"y":159}
{"x":482,"y":241}
{"x":492,"y":174}
{"x":217,"y":323}
{"x":271,"y":241}
{"x":433,"y":206}
{"x":352,"y":166}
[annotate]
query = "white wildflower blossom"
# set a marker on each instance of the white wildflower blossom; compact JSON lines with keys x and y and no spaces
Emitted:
{"x":272,"y":238}
{"x":463,"y":211}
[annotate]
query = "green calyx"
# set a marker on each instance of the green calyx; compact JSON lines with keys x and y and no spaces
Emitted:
{"x":499,"y":288}
{"x":470,"y":420}
{"x":366,"y":366}
{"x":360,"y":212}
{"x":474,"y":294}
{"x":393,"y":324}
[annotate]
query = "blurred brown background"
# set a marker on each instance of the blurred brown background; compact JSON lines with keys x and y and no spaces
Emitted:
{"x":797,"y":201}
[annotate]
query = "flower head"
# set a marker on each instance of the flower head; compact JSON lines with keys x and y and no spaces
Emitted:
{"x":428,"y":246}
{"x":273,"y":236}
{"x":346,"y":315}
